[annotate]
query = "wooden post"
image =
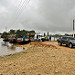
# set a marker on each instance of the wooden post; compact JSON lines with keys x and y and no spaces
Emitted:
{"x":73,"y":28}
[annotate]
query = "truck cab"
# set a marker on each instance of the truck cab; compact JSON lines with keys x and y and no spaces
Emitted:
{"x":68,"y":40}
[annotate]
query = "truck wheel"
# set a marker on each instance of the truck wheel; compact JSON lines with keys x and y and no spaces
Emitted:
{"x":59,"y":43}
{"x":42,"y":40}
{"x":66,"y":45}
{"x":70,"y":45}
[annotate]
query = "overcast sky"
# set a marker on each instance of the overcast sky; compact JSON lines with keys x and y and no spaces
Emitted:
{"x":40,"y":15}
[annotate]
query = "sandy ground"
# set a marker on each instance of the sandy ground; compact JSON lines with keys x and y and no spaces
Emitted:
{"x":45,"y":58}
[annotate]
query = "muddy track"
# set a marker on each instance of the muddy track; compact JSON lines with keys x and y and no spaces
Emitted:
{"x":52,"y":44}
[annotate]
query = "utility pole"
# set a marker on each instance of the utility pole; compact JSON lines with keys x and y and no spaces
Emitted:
{"x":73,"y":28}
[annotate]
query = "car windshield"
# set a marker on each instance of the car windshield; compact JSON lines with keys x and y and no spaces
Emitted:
{"x":41,"y":35}
{"x":72,"y":38}
{"x":69,"y":38}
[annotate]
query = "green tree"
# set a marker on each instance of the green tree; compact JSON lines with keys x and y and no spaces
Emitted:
{"x":12,"y":31}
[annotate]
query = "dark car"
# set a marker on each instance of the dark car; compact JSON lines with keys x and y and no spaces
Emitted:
{"x":68,"y":40}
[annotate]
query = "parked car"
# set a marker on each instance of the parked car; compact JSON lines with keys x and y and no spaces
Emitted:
{"x":39,"y":37}
{"x":68,"y":40}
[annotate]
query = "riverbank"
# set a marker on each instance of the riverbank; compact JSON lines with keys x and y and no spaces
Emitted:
{"x":39,"y":60}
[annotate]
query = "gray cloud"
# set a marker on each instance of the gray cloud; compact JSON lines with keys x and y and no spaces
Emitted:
{"x":39,"y":15}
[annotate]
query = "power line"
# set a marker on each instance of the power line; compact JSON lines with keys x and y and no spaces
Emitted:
{"x":19,"y":5}
{"x":20,"y":9}
{"x":16,"y":11}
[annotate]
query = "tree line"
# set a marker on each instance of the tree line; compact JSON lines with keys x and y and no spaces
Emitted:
{"x":17,"y":32}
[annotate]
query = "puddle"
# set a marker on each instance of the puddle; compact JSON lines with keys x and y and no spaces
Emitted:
{"x":6,"y":48}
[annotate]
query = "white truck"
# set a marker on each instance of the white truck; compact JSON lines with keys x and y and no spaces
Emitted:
{"x":39,"y":37}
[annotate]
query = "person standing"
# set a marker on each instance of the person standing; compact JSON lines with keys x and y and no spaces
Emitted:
{"x":49,"y":38}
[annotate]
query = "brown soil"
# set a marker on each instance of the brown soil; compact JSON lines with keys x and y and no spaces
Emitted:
{"x":45,"y":58}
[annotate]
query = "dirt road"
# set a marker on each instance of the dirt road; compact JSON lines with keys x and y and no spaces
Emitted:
{"x":52,"y":43}
{"x":55,"y":43}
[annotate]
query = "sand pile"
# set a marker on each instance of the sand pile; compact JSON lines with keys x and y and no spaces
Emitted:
{"x":39,"y":60}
